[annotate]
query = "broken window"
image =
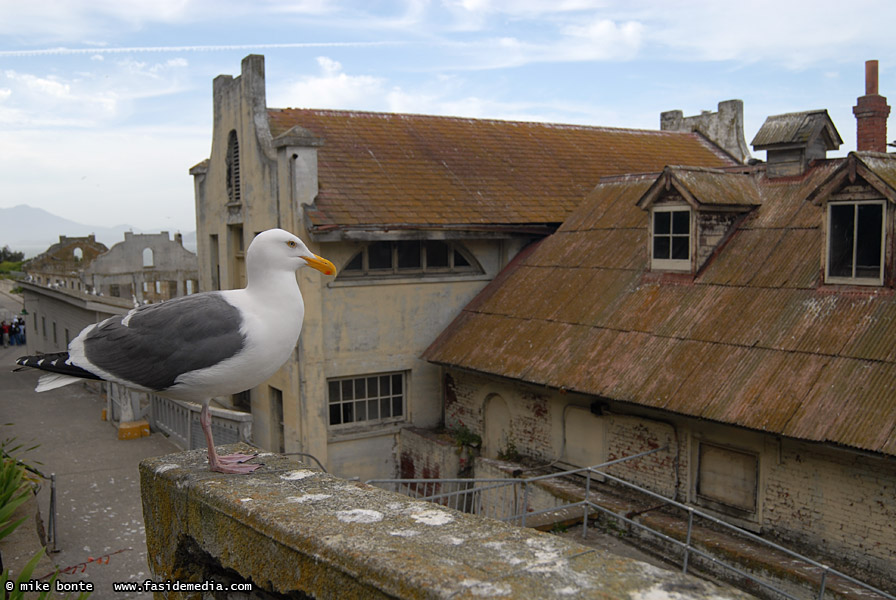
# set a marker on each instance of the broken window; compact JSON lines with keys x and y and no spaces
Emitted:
{"x":410,"y":257}
{"x":671,"y":239}
{"x":856,"y":242}
{"x":374,"y":398}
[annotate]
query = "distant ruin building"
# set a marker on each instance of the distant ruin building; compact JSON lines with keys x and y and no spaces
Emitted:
{"x":146,"y":267}
{"x":63,"y":264}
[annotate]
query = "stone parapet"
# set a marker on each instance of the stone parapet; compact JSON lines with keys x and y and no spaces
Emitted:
{"x":297,"y":532}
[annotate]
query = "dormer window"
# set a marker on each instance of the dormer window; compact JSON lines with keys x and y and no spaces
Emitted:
{"x":692,"y":211}
{"x":671,"y":238}
{"x":855,"y":249}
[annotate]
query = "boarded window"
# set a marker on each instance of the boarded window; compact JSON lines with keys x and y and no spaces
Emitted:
{"x":584,"y":438}
{"x":727,"y":478}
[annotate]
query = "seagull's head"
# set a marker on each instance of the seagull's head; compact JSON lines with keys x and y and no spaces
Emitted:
{"x":276,"y":248}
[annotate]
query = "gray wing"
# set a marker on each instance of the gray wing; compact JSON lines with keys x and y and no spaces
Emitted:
{"x":154,"y":344}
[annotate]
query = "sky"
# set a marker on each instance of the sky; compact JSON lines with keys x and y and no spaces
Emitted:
{"x":106,"y":104}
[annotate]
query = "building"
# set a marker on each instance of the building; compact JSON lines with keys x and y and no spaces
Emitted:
{"x":62,"y":265}
{"x":741,"y":317}
{"x":145,"y":268}
{"x":55,"y":315}
{"x":418,"y":213}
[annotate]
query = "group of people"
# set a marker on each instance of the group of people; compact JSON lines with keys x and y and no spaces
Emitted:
{"x":13,"y":332}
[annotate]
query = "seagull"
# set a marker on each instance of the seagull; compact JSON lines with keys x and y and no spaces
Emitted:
{"x":196,"y":347}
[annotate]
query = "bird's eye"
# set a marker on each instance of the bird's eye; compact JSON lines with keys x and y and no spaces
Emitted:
{"x":291,"y":243}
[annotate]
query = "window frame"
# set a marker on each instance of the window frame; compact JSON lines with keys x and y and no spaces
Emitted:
{"x":853,"y":280}
{"x":424,"y":269}
{"x":671,"y":264}
{"x":391,"y":397}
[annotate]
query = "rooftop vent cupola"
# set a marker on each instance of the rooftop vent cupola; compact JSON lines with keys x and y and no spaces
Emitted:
{"x":792,"y":141}
{"x":871,"y":111}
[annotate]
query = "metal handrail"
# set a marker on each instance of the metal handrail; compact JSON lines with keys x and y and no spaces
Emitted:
{"x":687,"y":546}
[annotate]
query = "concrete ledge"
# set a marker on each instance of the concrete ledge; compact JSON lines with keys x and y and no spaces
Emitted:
{"x":293,"y":531}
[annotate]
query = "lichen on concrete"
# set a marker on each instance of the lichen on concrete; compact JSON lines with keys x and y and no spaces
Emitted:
{"x":290,"y":530}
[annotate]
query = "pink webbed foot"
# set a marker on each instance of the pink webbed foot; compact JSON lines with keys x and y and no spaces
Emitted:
{"x":234,"y":469}
{"x":232,"y":459}
{"x":232,"y":463}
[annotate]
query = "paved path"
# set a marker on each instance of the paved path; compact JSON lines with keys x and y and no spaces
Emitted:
{"x":99,"y":510}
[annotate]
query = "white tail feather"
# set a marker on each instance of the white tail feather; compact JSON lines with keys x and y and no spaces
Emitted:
{"x":53,"y":381}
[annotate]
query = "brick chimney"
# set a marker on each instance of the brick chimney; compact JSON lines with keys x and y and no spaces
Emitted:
{"x":871,"y":111}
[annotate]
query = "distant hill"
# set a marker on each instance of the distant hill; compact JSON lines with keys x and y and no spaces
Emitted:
{"x":33,"y":230}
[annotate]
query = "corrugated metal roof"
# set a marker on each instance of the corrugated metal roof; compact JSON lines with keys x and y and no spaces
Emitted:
{"x":754,"y":340}
{"x":380,"y":169}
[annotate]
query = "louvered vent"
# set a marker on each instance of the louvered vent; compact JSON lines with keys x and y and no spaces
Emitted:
{"x":233,"y":168}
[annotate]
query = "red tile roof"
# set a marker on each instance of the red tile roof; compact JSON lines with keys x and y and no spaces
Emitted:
{"x":754,"y":340}
{"x":399,"y":170}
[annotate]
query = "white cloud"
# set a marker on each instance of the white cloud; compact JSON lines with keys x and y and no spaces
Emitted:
{"x":77,"y":21}
{"x":775,"y":31}
{"x":86,"y":98}
{"x":332,"y":88}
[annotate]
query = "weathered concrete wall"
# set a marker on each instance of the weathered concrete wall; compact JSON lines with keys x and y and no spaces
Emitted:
{"x":290,"y":530}
{"x":170,"y":264}
{"x":724,"y":127}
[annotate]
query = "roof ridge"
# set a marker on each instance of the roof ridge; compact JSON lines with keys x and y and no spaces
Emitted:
{"x":385,"y":114}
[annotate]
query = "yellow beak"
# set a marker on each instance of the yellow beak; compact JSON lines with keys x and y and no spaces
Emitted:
{"x":321,"y":264}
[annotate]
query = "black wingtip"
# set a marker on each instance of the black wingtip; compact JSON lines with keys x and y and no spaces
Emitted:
{"x":55,"y":362}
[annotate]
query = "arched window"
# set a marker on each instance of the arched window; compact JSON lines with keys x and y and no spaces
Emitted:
{"x":147,"y":257}
{"x":411,"y":257}
{"x":78,"y":254}
{"x":232,"y":160}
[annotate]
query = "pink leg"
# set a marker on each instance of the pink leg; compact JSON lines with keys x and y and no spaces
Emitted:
{"x":230,"y":463}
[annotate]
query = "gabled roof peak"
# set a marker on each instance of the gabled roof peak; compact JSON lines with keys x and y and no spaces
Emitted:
{"x":704,"y":187}
{"x":797,"y":129}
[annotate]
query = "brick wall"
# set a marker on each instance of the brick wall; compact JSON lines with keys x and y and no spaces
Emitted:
{"x":424,"y":454}
{"x":840,"y":503}
{"x":712,"y":228}
{"x":629,"y":435}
